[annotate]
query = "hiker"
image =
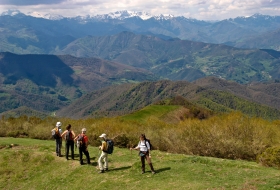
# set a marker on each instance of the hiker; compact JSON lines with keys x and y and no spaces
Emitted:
{"x":145,"y":153}
{"x":58,"y":138}
{"x":82,"y":139}
{"x":69,"y":141}
{"x":104,"y":155}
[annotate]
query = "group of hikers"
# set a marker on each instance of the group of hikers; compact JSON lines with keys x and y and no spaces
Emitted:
{"x":82,"y":142}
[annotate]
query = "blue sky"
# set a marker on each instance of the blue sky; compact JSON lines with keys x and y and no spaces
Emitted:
{"x":198,"y":9}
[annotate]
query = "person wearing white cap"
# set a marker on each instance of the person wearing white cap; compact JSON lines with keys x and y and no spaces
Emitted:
{"x":104,"y":155}
{"x":83,"y":147}
{"x":58,"y":138}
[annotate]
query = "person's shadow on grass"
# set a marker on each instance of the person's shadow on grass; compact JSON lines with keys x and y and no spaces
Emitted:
{"x":121,"y":168}
{"x":162,"y":169}
{"x":78,"y":156}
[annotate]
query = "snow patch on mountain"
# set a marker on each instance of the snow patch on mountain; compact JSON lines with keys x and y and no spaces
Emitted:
{"x":11,"y":12}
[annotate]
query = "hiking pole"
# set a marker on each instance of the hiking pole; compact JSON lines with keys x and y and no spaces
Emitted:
{"x":131,"y":157}
{"x":130,"y":153}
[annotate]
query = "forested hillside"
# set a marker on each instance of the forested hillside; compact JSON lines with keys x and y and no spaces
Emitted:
{"x":123,"y":99}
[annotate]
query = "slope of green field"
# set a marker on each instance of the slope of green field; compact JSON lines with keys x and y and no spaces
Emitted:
{"x":32,"y":164}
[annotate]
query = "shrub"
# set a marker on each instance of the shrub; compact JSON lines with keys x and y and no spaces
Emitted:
{"x":232,"y":136}
{"x":17,"y":133}
{"x":270,"y":157}
{"x":121,"y":141}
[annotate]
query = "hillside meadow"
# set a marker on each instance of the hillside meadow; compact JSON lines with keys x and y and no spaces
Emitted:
{"x":31,"y":164}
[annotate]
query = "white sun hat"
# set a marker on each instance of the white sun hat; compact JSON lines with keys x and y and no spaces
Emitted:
{"x":58,"y":124}
{"x":103,"y":135}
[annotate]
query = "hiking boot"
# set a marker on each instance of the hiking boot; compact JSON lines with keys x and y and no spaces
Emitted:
{"x":106,"y":169}
{"x":143,"y":169}
{"x":101,"y":171}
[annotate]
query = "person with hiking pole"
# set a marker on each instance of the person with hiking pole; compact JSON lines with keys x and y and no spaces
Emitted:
{"x":144,"y":148}
{"x":69,"y":141}
{"x":56,"y":133}
{"x":82,"y":143}
{"x":104,"y":155}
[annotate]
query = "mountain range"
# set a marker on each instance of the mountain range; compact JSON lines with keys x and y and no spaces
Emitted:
{"x":177,"y":59}
{"x":120,"y":62}
{"x":68,"y":86}
{"x":24,"y":34}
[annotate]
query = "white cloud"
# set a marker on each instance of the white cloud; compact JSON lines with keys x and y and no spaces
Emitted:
{"x":199,"y":9}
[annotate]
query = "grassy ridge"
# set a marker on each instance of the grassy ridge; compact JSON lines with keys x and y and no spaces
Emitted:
{"x":32,"y":164}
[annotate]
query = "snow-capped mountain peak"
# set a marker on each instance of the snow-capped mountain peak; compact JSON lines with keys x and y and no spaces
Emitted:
{"x":11,"y":12}
{"x":123,"y":15}
{"x":128,"y":14}
{"x":120,"y":15}
{"x":53,"y":17}
{"x":35,"y":14}
{"x":46,"y":16}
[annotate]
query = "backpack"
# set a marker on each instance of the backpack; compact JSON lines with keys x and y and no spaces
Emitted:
{"x":148,"y":140}
{"x":69,"y":136}
{"x":55,"y":134}
{"x":80,"y":140}
{"x":110,"y":146}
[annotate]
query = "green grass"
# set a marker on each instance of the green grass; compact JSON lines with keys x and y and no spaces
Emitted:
{"x":32,"y":164}
{"x":154,"y":110}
